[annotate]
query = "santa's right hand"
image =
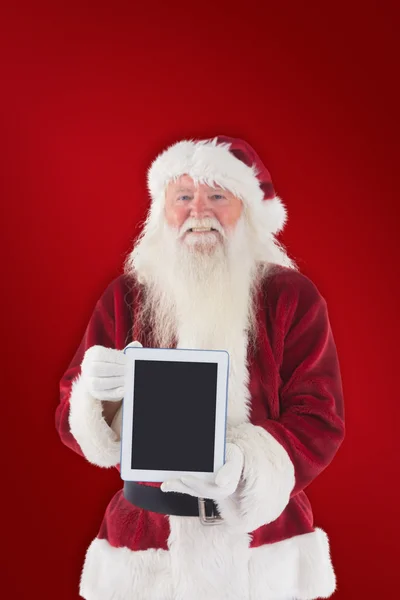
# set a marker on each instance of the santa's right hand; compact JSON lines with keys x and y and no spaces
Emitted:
{"x":103,"y":372}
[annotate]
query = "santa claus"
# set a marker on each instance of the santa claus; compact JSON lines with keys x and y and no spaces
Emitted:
{"x":208,"y":273}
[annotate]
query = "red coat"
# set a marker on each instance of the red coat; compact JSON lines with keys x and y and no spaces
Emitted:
{"x":297,"y":400}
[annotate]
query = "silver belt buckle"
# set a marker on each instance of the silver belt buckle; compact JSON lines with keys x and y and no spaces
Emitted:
{"x":214,"y":520}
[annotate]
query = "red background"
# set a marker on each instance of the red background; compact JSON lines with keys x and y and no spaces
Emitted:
{"x":91,"y":94}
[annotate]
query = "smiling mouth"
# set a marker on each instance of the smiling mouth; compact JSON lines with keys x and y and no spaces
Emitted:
{"x":201,"y":229}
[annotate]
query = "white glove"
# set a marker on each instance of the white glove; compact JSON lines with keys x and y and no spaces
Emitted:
{"x":225,"y":483}
{"x":103,"y":372}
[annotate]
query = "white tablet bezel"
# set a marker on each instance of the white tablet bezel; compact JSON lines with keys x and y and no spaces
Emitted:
{"x":221,"y":357}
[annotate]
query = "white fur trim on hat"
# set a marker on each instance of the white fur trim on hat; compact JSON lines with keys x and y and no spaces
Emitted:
{"x":267,"y":480}
{"x":98,"y":442}
{"x":208,"y":162}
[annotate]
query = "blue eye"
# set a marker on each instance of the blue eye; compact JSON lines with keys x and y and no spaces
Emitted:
{"x":217,"y":196}
{"x":184,"y":197}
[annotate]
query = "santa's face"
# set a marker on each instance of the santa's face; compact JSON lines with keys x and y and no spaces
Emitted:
{"x":201,"y":215}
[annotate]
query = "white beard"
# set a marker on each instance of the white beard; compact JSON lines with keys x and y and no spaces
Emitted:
{"x":203,"y":298}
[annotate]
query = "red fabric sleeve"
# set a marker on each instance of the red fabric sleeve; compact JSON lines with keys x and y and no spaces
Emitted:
{"x":100,"y":330}
{"x":311,"y":422}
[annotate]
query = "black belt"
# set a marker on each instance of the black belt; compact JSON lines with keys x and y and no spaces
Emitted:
{"x":166,"y":503}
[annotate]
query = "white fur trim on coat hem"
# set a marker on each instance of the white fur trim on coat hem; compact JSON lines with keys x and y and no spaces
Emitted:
{"x":267,"y":480}
{"x":119,"y":574}
{"x":299,"y":567}
{"x":99,"y":443}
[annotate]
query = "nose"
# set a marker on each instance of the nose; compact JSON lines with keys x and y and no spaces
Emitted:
{"x":200,"y":206}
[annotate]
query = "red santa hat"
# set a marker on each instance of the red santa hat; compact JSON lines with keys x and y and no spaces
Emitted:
{"x":228,"y":162}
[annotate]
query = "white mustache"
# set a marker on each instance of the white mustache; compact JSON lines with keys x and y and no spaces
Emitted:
{"x":206,"y":223}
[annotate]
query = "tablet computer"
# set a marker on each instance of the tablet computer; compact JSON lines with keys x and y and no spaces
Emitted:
{"x":173,"y":413}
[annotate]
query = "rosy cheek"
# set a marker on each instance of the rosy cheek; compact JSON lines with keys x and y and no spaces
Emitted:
{"x":223,"y":215}
{"x":228,"y":215}
{"x":180,"y":215}
{"x":173,"y":215}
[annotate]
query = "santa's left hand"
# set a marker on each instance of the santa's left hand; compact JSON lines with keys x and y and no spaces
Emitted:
{"x":225,"y":483}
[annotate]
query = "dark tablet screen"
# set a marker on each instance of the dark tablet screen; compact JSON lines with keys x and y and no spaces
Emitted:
{"x":174,"y":416}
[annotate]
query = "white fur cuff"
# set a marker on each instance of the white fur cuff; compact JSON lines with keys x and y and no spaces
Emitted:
{"x":98,"y":442}
{"x":267,"y":480}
